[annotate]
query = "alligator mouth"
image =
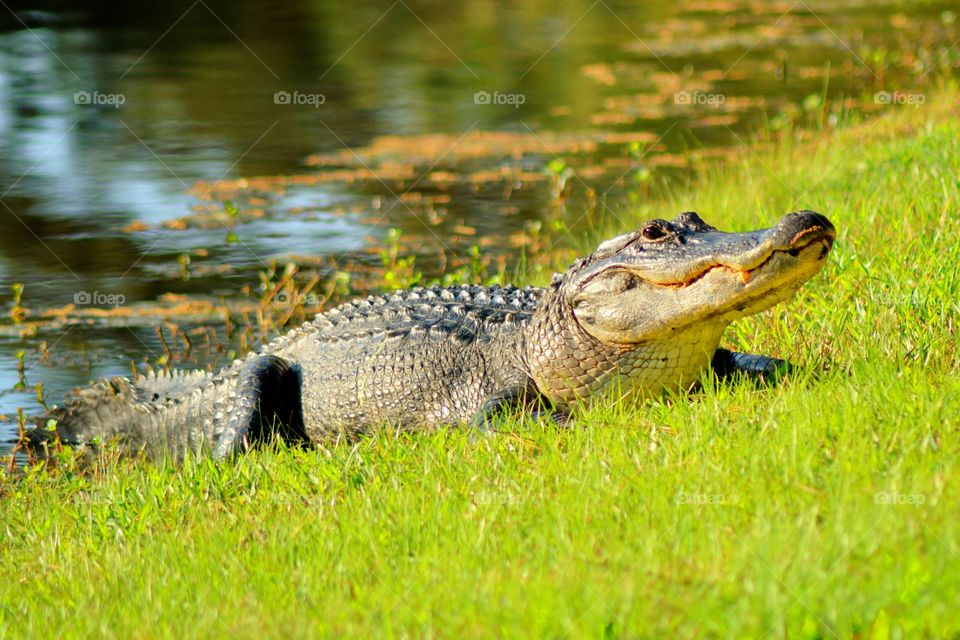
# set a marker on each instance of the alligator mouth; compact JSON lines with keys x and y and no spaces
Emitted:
{"x":804,"y":239}
{"x":745,"y":274}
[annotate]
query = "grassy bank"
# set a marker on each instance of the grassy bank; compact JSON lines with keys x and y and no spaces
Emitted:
{"x":825,"y":507}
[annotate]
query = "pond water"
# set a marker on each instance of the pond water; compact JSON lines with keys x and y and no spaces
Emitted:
{"x":149,"y":149}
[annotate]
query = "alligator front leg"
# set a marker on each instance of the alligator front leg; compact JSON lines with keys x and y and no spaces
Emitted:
{"x":266,"y":402}
{"x":516,"y":400}
{"x":728,"y":364}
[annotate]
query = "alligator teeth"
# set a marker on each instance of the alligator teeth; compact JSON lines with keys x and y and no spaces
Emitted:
{"x":745,"y":277}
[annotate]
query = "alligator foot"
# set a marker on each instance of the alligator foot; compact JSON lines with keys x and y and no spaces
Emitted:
{"x":514,"y":401}
{"x":764,"y":370}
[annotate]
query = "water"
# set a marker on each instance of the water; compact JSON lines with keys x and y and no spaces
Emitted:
{"x":124,"y":128}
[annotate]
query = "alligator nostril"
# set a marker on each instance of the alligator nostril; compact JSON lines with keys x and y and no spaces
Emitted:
{"x":815,"y":217}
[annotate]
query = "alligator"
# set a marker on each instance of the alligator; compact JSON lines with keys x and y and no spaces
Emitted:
{"x":641,"y":315}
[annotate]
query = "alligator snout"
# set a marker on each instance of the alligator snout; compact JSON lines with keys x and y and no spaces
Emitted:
{"x":803,"y":227}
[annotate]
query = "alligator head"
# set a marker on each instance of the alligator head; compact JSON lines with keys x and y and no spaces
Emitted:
{"x":670,"y":275}
{"x":653,"y":304}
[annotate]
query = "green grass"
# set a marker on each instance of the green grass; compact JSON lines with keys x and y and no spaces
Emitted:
{"x":824,"y":507}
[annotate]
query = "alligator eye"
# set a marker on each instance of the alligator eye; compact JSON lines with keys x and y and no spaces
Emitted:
{"x":653,"y":232}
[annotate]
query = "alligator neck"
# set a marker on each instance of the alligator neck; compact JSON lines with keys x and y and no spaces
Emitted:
{"x":570,"y":366}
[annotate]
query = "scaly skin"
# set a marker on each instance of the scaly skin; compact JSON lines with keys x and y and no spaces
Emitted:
{"x":641,"y":315}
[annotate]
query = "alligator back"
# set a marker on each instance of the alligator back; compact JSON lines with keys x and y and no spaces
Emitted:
{"x":413,"y":358}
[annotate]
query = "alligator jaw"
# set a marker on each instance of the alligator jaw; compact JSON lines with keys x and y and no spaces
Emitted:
{"x":745,"y":273}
